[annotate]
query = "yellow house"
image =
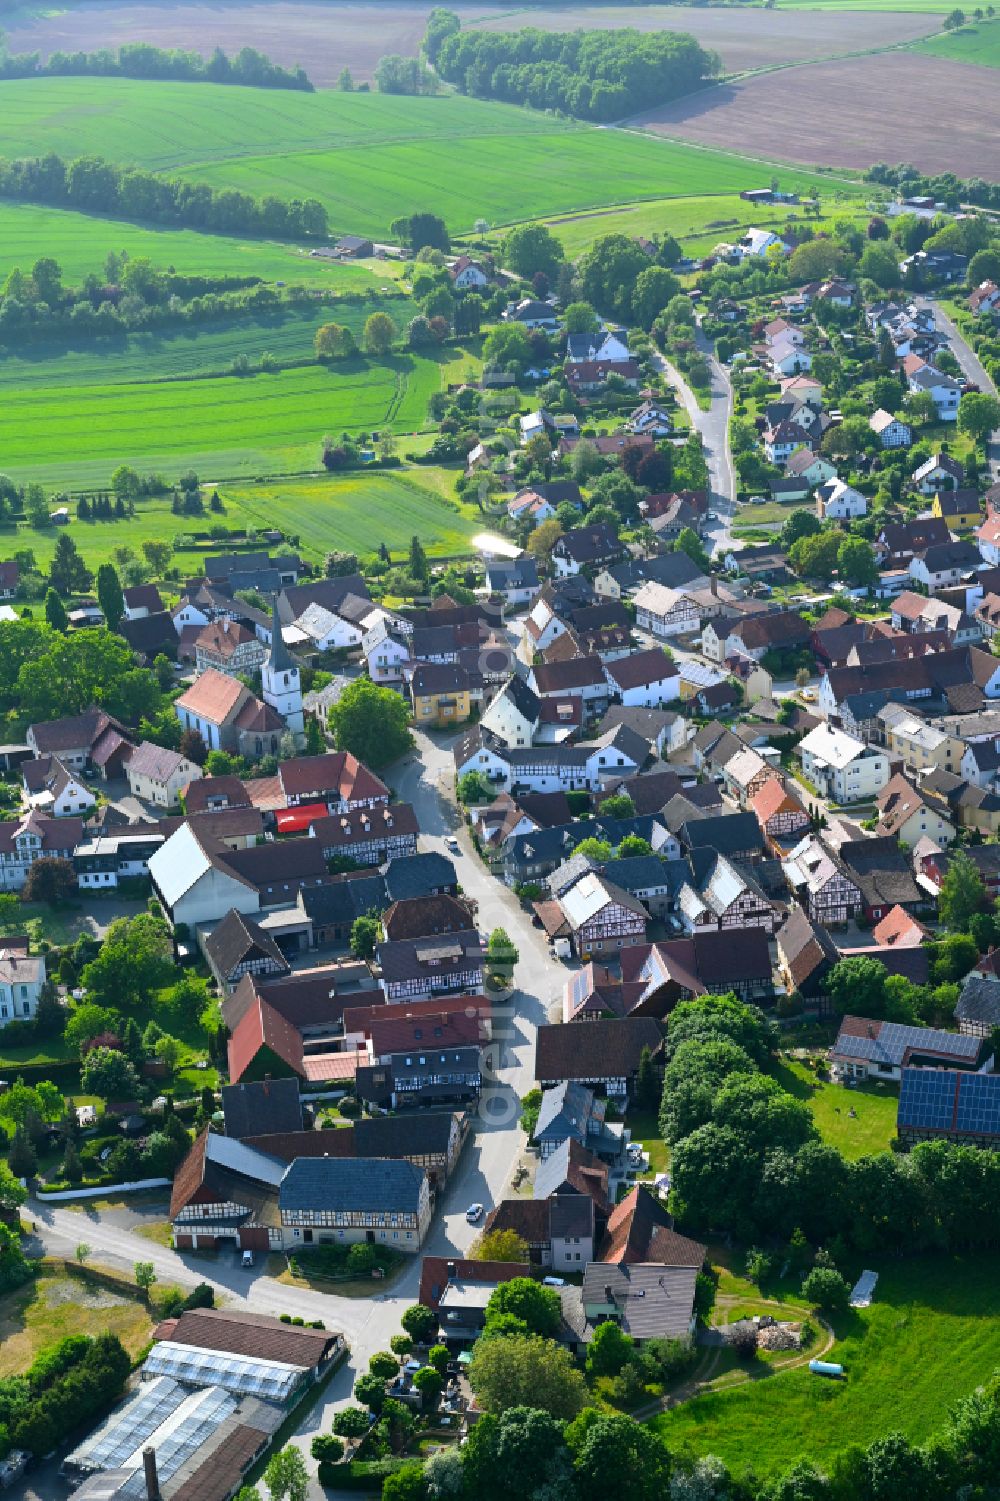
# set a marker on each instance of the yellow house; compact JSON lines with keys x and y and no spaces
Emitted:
{"x":441,"y":694}
{"x":958,"y":508}
{"x":922,"y":746}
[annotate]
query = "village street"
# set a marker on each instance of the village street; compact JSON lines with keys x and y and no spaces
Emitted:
{"x":713,"y":425}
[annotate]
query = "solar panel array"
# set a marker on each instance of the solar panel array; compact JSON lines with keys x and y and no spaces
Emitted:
{"x":893,"y":1039}
{"x":272,"y":1380}
{"x":951,"y":1101}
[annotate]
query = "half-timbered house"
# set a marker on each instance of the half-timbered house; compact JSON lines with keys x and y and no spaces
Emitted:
{"x":412,"y":970}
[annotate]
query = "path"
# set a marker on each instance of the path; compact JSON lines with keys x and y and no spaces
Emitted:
{"x":972,"y":368}
{"x":713,"y":425}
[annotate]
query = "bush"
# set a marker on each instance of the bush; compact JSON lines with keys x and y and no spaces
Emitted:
{"x":327,"y":1448}
{"x":826,"y":1288}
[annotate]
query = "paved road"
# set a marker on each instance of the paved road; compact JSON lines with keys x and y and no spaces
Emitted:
{"x":490,"y":1156}
{"x":972,"y":368}
{"x":713,"y":425}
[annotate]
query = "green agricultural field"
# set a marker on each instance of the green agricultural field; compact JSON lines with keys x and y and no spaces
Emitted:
{"x":869,"y":1130}
{"x":74,"y":436}
{"x":204,"y":349}
{"x":368,"y":157}
{"x":80,"y":243}
{"x":979,"y":43}
{"x":935,"y":7}
{"x":931,"y":1335}
{"x":352,"y":512}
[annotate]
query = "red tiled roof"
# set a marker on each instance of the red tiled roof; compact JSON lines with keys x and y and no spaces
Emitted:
{"x":434,"y":1275}
{"x":213,"y":696}
{"x":338,"y":772}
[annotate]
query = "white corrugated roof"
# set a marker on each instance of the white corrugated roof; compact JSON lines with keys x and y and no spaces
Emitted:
{"x":835,"y":747}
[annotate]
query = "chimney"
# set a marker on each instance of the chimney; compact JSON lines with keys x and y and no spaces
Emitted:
{"x":713,"y":584}
{"x":452,"y":1269}
{"x":152,"y":1479}
{"x":607,"y":1293}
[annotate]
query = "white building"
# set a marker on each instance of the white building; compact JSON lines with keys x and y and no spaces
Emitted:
{"x":889,"y":430}
{"x":841,"y":767}
{"x":53,"y":789}
{"x":22,"y":976}
{"x":194,"y":885}
{"x":644,"y":680}
{"x":944,"y":390}
{"x":839,"y":501}
{"x":665,"y":612}
{"x":281,"y":685}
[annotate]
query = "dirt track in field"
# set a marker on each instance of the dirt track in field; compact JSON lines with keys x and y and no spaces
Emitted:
{"x":941,"y":115}
{"x":324,"y":35}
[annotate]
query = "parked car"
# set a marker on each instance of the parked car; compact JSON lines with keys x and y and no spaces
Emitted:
{"x":474,"y":1213}
{"x":246,"y":1259}
{"x":453,"y":844}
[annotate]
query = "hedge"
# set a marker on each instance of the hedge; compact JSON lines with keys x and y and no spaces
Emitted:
{"x":359,"y":1474}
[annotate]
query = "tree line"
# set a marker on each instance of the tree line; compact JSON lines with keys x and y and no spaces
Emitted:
{"x":594,"y":75}
{"x":142,"y":60}
{"x":945,"y":187}
{"x":96,"y":186}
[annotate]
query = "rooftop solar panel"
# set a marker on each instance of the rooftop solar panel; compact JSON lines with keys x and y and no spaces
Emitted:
{"x":950,"y":1101}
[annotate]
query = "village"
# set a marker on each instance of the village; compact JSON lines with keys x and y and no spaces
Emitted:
{"x":437,"y":890}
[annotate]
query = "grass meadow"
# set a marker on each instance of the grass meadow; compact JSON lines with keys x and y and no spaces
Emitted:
{"x":869,"y":1130}
{"x":931,"y":1335}
{"x":75,"y":435}
{"x":80,"y":243}
{"x":352,"y":512}
{"x":54,"y":1305}
{"x":974,"y":43}
{"x":202,"y":349}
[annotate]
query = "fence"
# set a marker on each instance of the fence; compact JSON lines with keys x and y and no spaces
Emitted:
{"x":103,"y":1190}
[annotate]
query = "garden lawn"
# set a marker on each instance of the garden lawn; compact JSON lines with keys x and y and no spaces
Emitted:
{"x":55,"y":1305}
{"x":221,"y":427}
{"x":646,"y":1131}
{"x":931,"y":1335}
{"x":80,"y":243}
{"x":874,"y":1107}
{"x":209,"y":348}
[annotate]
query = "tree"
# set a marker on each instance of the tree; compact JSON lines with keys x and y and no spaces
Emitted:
{"x":50,"y":880}
{"x":10,"y":907}
{"x":632,"y":847}
{"x":407,"y":1483}
{"x":609,"y":1350}
{"x":68,"y":574}
{"x":962,"y":893}
{"x":984,"y":266}
{"x":352,"y":1422}
{"x":109,"y":595}
{"x":856,"y":562}
{"x":145,"y":1275}
{"x":109,"y":1074}
{"x":609,"y":271}
{"x":430,"y":1384}
{"x":618,"y":805}
{"x":507,"y":347}
{"x":55,"y":612}
{"x":816,"y":557}
{"x":379,"y":334}
{"x":501,"y":1245}
{"x":444,"y":1475}
{"x":327,"y":1448}
{"x":531,"y":1104}
{"x":21,"y":1158}
{"x":647,"y":1088}
{"x":857,"y":985}
{"x":334,"y":341}
{"x":654,"y":288}
{"x":880,"y":264}
{"x":544,"y":538}
{"x":525,"y":1369}
{"x":799,"y":524}
{"x":418,"y":559}
{"x":816,"y":260}
{"x":826,"y":1289}
{"x":286,"y":1477}
{"x":529,"y":248}
{"x":366,"y":932}
{"x":371,"y":722}
{"x":82,"y":1251}
{"x":135,"y":958}
{"x":515,"y":1455}
{"x":500,"y":950}
{"x":978,"y":415}
{"x":538,"y":1307}
{"x":714,"y":1018}
{"x":419,"y":1322}
{"x":473,"y":788}
{"x":428,"y":230}
{"x":689,"y":542}
{"x":616,"y":1456}
{"x":157,"y":555}
{"x":383,"y":1365}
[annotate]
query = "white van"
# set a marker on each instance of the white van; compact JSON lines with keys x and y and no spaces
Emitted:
{"x":247,"y":1258}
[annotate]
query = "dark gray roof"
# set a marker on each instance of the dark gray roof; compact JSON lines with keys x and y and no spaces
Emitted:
{"x":365,"y":1183}
{"x":403,"y":1135}
{"x":343,"y":901}
{"x":637,"y":873}
{"x":238,"y":939}
{"x":565,"y":1110}
{"x":440,"y":954}
{"x":979,"y":1001}
{"x":649,"y":1300}
{"x":724,"y":832}
{"x":419,"y":875}
{"x":262,"y":1109}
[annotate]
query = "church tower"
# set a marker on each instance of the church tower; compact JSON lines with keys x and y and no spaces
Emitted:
{"x":280,"y":679}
